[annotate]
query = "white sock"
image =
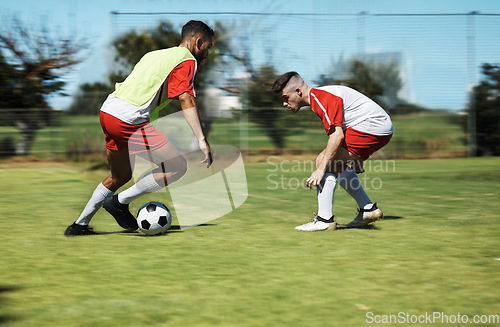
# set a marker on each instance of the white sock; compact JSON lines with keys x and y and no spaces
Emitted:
{"x":146,"y":184}
{"x":100,"y":194}
{"x":325,"y":193}
{"x":349,"y":180}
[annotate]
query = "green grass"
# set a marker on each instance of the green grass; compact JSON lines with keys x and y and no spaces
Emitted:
{"x":429,"y":135}
{"x":436,"y":251}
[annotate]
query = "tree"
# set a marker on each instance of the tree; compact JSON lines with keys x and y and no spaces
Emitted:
{"x":89,"y":98}
{"x":263,"y":104}
{"x":387,"y":74}
{"x":486,"y":102}
{"x":361,"y":79}
{"x":379,"y":80}
{"x":7,"y":85}
{"x":32,"y":65}
{"x":131,"y":46}
{"x":129,"y":49}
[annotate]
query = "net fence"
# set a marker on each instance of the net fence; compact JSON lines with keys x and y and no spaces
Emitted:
{"x":438,"y":58}
{"x":439,"y":55}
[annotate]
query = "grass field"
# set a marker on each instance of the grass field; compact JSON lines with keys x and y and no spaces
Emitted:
{"x":436,"y":251}
{"x":415,"y":135}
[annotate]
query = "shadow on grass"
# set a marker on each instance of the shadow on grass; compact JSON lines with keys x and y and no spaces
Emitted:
{"x":392,"y":217}
{"x":369,"y":226}
{"x":6,"y":318}
{"x":175,"y":229}
{"x":184,"y":227}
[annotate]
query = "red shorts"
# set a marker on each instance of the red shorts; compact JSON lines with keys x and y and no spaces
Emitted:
{"x":136,"y":138}
{"x":363,"y":144}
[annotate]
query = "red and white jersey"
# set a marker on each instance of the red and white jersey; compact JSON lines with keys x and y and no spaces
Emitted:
{"x":342,"y":106}
{"x":179,"y":81}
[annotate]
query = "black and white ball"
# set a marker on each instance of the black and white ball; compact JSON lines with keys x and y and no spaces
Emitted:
{"x":154,"y":218}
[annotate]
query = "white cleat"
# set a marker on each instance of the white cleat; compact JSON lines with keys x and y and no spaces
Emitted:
{"x":318,"y":224}
{"x":365,"y":217}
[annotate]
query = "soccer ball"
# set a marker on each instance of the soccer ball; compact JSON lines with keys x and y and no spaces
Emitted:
{"x":154,"y":218}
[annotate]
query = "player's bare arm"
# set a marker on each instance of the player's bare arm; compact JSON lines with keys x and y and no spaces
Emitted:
{"x":334,"y":140}
{"x":190,"y":110}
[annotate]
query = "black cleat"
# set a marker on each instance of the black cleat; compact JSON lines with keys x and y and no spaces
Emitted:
{"x":79,"y":230}
{"x":121,"y":213}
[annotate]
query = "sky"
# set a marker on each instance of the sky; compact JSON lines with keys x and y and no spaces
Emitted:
{"x":93,"y":20}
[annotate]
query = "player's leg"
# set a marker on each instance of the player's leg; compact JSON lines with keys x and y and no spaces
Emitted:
{"x":324,"y":220}
{"x":121,"y":170}
{"x":325,"y":192}
{"x":367,"y":211}
{"x":149,"y":143}
{"x":339,"y":170}
{"x":348,"y":179}
{"x":360,"y":147}
{"x":172,"y":166}
{"x":120,"y":174}
{"x":342,"y":159}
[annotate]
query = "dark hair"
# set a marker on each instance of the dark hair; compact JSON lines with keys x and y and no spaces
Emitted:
{"x":282,"y":81}
{"x":194,"y":27}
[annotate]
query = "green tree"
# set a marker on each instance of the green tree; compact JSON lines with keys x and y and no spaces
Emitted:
{"x":486,"y":102}
{"x":263,"y":105}
{"x":7,"y":86}
{"x":379,"y":80}
{"x":131,"y":46}
{"x":89,"y":98}
{"x":7,"y":100}
{"x":363,"y":81}
{"x":360,"y":78}
{"x":388,"y":76}
{"x":32,"y":65}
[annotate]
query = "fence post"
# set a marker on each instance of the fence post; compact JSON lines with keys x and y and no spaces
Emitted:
{"x":471,"y":62}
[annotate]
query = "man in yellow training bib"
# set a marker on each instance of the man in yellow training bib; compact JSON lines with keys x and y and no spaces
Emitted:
{"x":159,"y":77}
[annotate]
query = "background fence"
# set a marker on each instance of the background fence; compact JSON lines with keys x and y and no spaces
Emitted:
{"x":438,"y":57}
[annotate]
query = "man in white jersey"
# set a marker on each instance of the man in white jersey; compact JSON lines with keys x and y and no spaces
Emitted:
{"x":159,"y":77}
{"x":356,"y":127}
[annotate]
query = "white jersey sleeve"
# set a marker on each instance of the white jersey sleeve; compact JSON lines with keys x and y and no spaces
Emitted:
{"x":360,"y":112}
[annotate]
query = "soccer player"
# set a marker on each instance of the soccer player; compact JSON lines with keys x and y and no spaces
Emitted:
{"x":356,"y":127}
{"x":157,"y":78}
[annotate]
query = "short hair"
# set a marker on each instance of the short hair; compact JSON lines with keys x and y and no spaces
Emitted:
{"x":194,"y":27}
{"x":282,"y":81}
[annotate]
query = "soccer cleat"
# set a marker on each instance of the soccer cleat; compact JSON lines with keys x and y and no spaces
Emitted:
{"x":121,"y":213}
{"x":365,"y":217}
{"x":78,"y":230}
{"x":318,"y":224}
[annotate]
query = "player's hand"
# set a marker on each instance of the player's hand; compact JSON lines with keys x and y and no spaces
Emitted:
{"x":315,"y":178}
{"x":207,"y":151}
